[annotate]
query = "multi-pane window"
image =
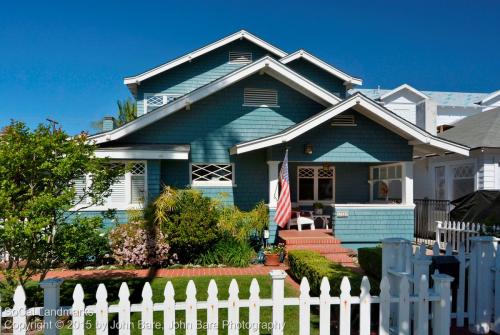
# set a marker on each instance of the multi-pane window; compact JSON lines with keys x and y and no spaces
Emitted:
{"x":129,"y":189}
{"x":440,"y":182}
{"x":463,"y":180}
{"x":212,"y":174}
{"x":315,"y":183}
{"x":153,"y":101}
{"x":387,"y":183}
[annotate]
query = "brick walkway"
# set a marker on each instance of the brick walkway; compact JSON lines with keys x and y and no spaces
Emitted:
{"x":254,"y":270}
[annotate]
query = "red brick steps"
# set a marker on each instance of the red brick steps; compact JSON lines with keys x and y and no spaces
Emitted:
{"x":320,"y":240}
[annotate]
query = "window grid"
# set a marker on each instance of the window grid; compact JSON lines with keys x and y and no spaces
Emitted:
{"x":152,"y":101}
{"x":315,"y":173}
{"x":212,"y":173}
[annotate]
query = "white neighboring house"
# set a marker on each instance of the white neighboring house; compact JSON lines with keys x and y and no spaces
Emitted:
{"x":448,"y":177}
{"x":472,"y":119}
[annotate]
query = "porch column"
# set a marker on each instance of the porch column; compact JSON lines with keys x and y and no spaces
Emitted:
{"x":273,"y":183}
{"x":407,"y":187}
{"x":273,"y":198}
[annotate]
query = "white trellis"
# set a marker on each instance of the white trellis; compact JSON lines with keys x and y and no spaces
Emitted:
{"x":403,"y":301}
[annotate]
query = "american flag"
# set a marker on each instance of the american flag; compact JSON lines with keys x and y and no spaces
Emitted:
{"x":284,"y":209}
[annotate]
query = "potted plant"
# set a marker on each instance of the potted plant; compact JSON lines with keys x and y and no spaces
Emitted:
{"x":274,"y":254}
{"x":318,"y":208}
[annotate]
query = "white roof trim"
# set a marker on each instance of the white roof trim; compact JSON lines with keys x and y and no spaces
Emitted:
{"x":370,"y":109}
{"x":141,"y":154}
{"x":323,"y":65}
{"x":226,"y":40}
{"x":404,"y":87}
{"x":267,"y":64}
{"x":489,"y":97}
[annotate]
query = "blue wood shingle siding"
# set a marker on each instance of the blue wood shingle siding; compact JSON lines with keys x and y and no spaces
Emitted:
{"x":373,"y":225}
{"x":216,"y":123}
{"x":367,"y":142}
{"x":319,"y":77}
{"x":199,"y":72}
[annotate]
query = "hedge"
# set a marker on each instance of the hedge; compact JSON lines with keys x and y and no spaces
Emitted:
{"x":313,"y":266}
{"x":370,"y":260}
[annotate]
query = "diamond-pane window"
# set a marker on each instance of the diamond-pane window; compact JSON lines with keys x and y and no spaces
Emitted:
{"x":464,"y":171}
{"x":212,"y":174}
{"x":152,"y":101}
{"x":306,"y":172}
{"x":155,"y":100}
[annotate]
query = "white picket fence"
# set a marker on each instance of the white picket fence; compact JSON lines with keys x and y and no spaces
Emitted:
{"x":403,"y":302}
{"x":479,"y":301}
{"x":455,"y":232}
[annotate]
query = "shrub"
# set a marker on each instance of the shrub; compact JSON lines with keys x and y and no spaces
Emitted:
{"x":313,"y":266}
{"x":189,"y":220}
{"x":230,"y":252}
{"x":370,"y":260}
{"x":137,"y":244}
{"x":243,"y":225}
{"x":82,"y":241}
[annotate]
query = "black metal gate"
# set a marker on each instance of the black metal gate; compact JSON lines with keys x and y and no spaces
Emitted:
{"x":427,"y":212}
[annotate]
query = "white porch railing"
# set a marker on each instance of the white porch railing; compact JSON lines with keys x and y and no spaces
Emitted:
{"x":406,"y":304}
{"x":455,"y":232}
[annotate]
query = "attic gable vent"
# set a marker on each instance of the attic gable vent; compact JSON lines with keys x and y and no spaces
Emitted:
{"x":260,"y":97}
{"x":237,"y":57}
{"x":344,"y":121}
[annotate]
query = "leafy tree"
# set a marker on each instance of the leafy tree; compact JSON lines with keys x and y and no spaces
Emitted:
{"x":38,"y":170}
{"x":127,"y":111}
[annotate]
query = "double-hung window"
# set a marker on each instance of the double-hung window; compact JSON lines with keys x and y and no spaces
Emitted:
{"x":129,"y":189}
{"x":212,"y":174}
{"x":386,"y":183}
{"x":153,"y":101}
{"x":463,"y":180}
{"x":315,"y":184}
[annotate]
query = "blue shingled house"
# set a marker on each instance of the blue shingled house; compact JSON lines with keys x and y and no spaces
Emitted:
{"x":219,"y":119}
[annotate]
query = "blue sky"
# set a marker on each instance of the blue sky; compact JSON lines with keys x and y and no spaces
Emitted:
{"x":66,"y":59}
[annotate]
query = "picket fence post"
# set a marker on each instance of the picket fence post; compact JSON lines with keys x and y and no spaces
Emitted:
{"x":78,"y":311}
{"x":254,"y":308}
{"x":482,"y":283}
{"x":147,"y":310}
{"x":101,"y":311}
{"x":439,"y":224}
{"x":51,"y":292}
{"x":124,"y":310}
{"x":441,"y":309}
{"x":385,"y":307}
{"x":169,"y":309}
{"x":233,"y":308}
{"x":365,"y":301}
{"x":461,"y":285}
{"x":19,"y":323}
{"x":191,"y":309}
{"x":212,"y":308}
{"x":422,"y":306}
{"x":304,"y":308}
{"x":278,"y":294}
{"x":345,"y":307}
{"x":404,"y":306}
{"x":324,"y":307}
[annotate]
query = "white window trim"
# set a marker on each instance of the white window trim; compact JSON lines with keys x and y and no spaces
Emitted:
{"x":215,"y":183}
{"x":386,"y":180}
{"x":128,"y":204}
{"x":164,"y":95}
{"x":315,"y":177}
{"x":449,"y":164}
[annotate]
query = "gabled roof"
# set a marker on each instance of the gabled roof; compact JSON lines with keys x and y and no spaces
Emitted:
{"x":452,"y":99}
{"x":481,"y":130}
{"x":132,"y":81}
{"x":404,"y":87}
{"x":264,"y":65}
{"x":367,"y":107}
{"x":489,"y":97}
{"x":321,"y":64}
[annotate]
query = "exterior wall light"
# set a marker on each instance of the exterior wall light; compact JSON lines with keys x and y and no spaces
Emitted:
{"x":308,"y":149}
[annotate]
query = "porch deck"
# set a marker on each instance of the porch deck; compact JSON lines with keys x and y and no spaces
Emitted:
{"x":319,"y":240}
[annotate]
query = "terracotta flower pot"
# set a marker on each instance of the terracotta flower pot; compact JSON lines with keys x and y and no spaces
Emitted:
{"x":272,"y":260}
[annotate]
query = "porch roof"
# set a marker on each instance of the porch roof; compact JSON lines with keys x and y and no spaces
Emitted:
{"x":145,"y":151}
{"x":423,"y":142}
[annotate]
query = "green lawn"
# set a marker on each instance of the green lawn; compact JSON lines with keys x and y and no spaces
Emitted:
{"x":158,"y":284}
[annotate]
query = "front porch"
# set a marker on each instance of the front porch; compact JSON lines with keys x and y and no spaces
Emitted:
{"x":364,"y":202}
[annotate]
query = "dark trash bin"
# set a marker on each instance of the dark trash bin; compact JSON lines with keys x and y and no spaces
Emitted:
{"x":450,"y":266}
